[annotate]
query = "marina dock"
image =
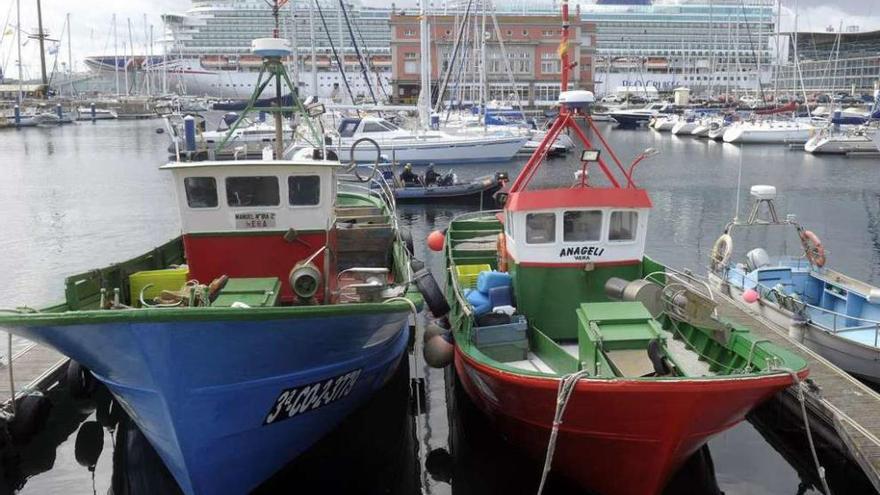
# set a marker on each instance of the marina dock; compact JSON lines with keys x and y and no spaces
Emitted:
{"x":838,"y":402}
{"x":34,"y":368}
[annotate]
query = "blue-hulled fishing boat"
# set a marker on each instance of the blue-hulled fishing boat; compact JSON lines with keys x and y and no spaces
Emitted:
{"x":831,"y":313}
{"x":283,"y":306}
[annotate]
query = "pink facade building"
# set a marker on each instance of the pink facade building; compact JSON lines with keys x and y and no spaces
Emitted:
{"x":531,"y":43}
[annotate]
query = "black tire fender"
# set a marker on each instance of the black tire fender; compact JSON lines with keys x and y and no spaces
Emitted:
{"x":431,"y":292}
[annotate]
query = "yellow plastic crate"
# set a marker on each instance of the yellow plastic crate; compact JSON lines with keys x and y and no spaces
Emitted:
{"x":170,"y":279}
{"x":467,"y":274}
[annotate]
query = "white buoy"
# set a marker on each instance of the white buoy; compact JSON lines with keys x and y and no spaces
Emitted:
{"x":439,"y":351}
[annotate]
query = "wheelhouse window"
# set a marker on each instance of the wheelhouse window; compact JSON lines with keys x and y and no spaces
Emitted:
{"x":201,"y":192}
{"x":582,"y":226}
{"x":540,"y":228}
{"x":252,"y":191}
{"x":374,"y":127}
{"x":304,"y":190}
{"x":623,"y":226}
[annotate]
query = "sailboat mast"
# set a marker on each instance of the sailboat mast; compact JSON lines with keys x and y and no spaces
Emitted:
{"x":69,"y":47}
{"x":18,"y":35}
{"x":115,"y":55}
{"x":41,"y":38}
{"x":314,"y":54}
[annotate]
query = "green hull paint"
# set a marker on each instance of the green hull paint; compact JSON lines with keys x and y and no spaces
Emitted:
{"x":550,"y":297}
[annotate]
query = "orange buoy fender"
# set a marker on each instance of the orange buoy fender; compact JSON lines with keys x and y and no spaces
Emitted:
{"x":813,"y":248}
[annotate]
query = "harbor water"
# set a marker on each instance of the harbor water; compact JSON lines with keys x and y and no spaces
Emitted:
{"x":83,"y":196}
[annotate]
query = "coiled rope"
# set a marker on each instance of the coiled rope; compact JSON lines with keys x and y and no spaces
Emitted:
{"x":567,"y":385}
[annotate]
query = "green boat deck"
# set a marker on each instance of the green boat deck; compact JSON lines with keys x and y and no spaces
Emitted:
{"x":573,"y":326}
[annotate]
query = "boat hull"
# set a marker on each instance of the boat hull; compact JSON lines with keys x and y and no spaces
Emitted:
{"x":437,"y":152}
{"x":742,"y":134}
{"x":615,"y":426}
{"x":852,"y":357}
{"x":839,"y":145}
{"x":228,"y":402}
{"x":470,"y":192}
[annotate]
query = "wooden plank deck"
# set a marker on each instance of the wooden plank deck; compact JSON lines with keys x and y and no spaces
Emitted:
{"x":34,"y":367}
{"x":848,"y":405}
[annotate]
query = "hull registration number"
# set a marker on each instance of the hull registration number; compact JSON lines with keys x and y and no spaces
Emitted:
{"x":298,"y":400}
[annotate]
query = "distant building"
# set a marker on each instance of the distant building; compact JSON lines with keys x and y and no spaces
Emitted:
{"x":10,"y":91}
{"x":531,"y":43}
{"x":832,"y":62}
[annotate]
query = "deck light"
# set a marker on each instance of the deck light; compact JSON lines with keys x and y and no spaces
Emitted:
{"x":590,"y":155}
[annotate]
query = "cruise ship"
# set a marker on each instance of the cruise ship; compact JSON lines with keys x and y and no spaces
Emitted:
{"x":208,"y":50}
{"x":711,"y":46}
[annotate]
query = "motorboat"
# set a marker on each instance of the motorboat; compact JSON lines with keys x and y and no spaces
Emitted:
{"x":852,"y":140}
{"x":639,"y":116}
{"x":685,"y":125}
{"x":87,"y":113}
{"x":829,"y":312}
{"x":665,"y":122}
{"x":448,"y":188}
{"x":421,"y":147}
{"x":770,"y":131}
{"x":580,"y":349}
{"x":282,"y":308}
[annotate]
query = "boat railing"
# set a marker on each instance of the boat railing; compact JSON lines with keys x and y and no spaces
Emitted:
{"x":839,"y":322}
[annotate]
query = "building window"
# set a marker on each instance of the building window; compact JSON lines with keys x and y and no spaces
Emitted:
{"x":623,"y":226}
{"x":540,"y":228}
{"x":582,"y":226}
{"x":409,"y":33}
{"x":201,"y":192}
{"x":550,"y":63}
{"x":304,"y":190}
{"x":410,"y":63}
{"x":252,"y":191}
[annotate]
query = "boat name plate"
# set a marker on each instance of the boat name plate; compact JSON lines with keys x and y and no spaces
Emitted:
{"x":299,"y":400}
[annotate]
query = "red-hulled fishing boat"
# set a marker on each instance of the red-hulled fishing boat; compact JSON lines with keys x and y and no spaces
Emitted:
{"x":582,"y":351}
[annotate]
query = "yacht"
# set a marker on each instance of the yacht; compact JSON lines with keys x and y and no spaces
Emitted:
{"x":770,"y":131}
{"x":418,"y":147}
{"x":639,"y":116}
{"x":853,"y":139}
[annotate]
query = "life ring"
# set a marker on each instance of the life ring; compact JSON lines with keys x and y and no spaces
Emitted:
{"x":722,"y":250}
{"x":813,"y":248}
{"x":503,"y":255}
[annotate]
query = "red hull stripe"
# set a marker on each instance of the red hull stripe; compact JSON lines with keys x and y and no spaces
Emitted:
{"x":578,"y":198}
{"x":541,"y":264}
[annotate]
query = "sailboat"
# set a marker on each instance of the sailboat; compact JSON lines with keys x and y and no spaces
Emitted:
{"x":579,"y":348}
{"x":282,"y":307}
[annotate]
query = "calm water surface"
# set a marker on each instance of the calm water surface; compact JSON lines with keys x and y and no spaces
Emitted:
{"x":83,"y":196}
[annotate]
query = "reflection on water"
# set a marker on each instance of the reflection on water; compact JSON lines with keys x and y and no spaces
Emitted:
{"x":82,"y":196}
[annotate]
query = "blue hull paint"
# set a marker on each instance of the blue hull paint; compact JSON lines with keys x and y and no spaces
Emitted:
{"x":202,"y":391}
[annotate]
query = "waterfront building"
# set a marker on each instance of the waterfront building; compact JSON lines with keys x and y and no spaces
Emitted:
{"x":710,"y":46}
{"x":530,"y":42}
{"x":832,"y":62}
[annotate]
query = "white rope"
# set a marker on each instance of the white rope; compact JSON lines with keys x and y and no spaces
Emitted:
{"x":11,"y":376}
{"x":567,"y":384}
{"x":802,"y":399}
{"x":417,"y":338}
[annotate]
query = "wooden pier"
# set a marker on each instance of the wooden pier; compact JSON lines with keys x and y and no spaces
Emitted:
{"x":34,"y":368}
{"x":838,"y":401}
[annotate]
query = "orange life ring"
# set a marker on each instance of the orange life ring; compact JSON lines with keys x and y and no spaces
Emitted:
{"x":813,"y":248}
{"x":503,"y":255}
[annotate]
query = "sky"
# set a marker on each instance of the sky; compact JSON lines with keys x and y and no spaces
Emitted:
{"x":91,"y":23}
